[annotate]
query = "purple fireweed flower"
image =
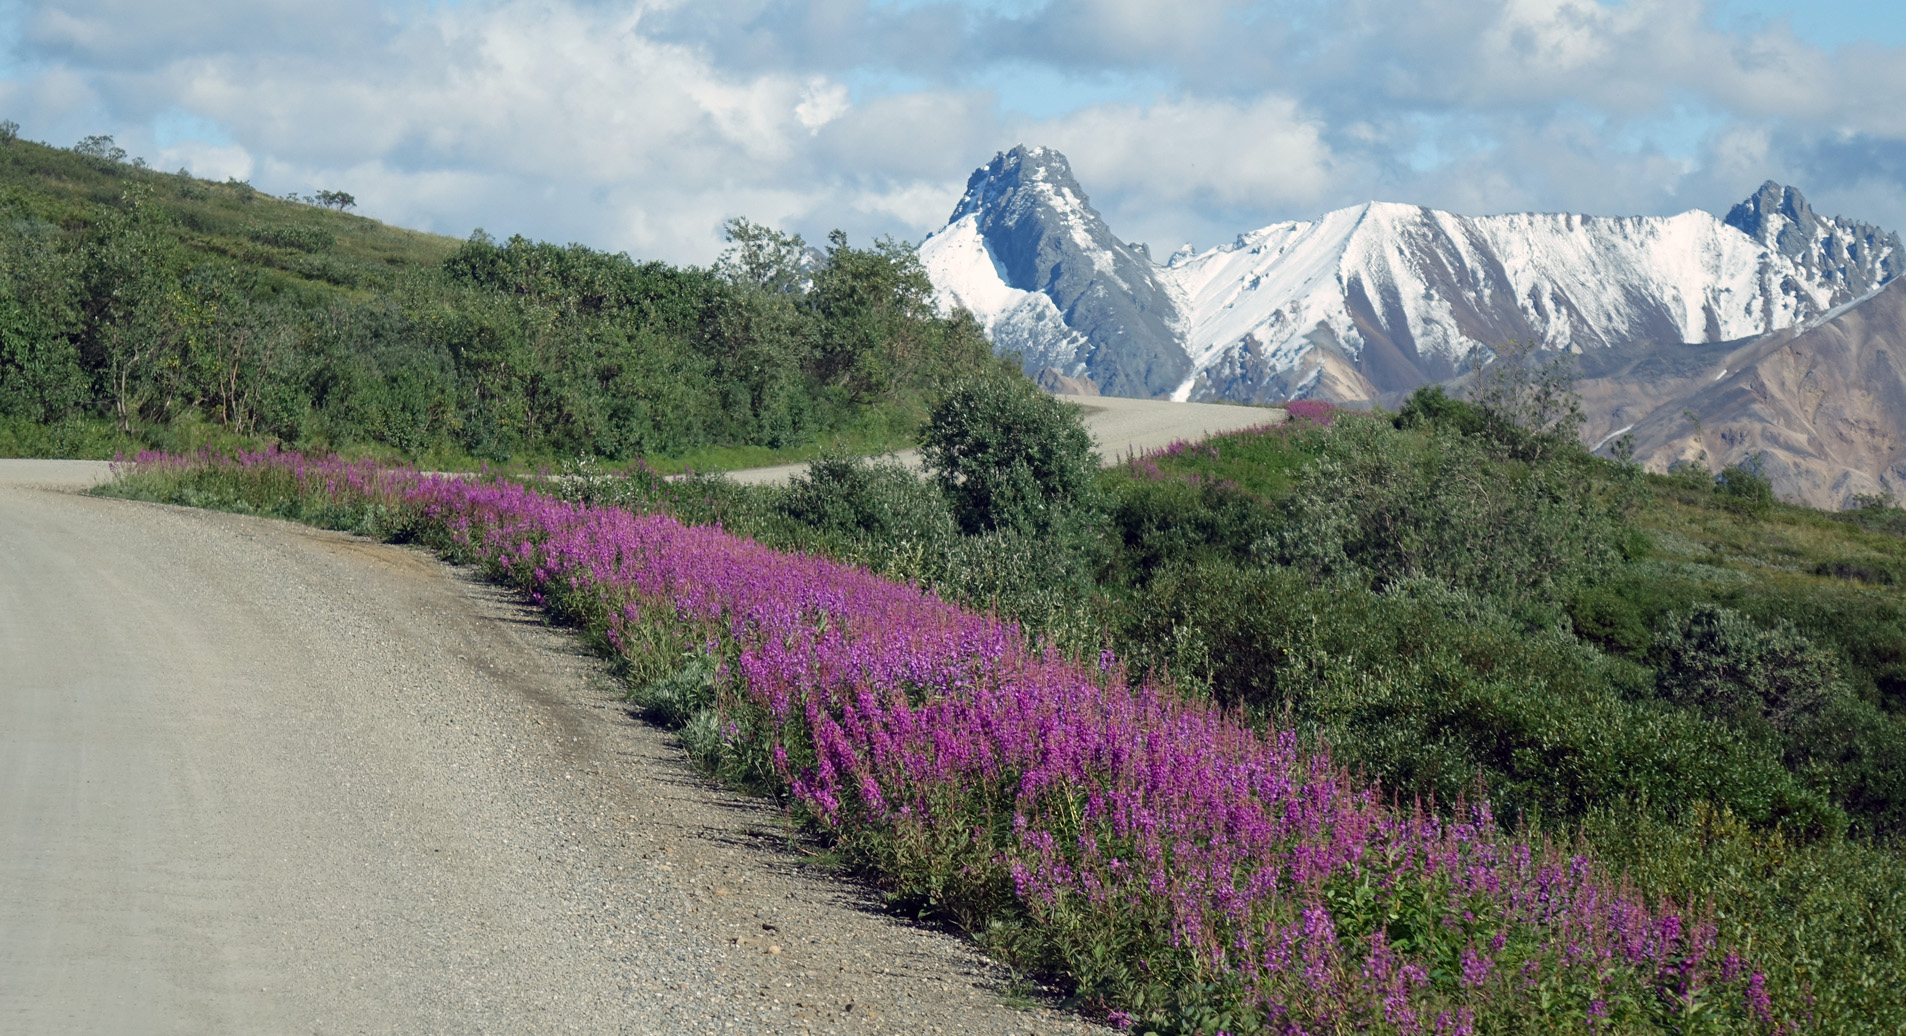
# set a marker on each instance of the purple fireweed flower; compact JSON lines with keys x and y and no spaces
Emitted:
{"x":1757,"y":999}
{"x":1321,"y":411}
{"x":1108,"y":806}
{"x":1476,"y":967}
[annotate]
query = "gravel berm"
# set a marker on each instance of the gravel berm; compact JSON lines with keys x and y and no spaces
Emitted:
{"x":260,"y":778}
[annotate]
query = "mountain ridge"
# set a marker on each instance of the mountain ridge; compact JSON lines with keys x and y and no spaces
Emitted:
{"x":1377,"y":298}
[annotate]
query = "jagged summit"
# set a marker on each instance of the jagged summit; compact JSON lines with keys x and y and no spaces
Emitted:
{"x":1855,"y":257}
{"x":1003,"y":183}
{"x":1376,"y":299}
{"x":1025,"y":228}
{"x":1772,"y":210}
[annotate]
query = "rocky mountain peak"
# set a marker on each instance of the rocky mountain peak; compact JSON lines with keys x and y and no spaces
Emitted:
{"x":1043,"y":235}
{"x":1015,"y":179}
{"x":1853,"y":257}
{"x":1776,"y":215}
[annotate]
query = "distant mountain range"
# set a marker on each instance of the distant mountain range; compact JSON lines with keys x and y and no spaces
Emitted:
{"x":1367,"y":303}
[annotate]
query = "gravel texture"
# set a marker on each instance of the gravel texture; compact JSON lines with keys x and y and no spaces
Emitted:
{"x":260,"y":778}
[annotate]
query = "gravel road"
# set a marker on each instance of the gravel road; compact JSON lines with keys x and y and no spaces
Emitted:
{"x":257,"y":778}
{"x":1119,"y":426}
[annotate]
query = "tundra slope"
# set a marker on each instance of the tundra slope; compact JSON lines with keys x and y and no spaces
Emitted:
{"x":260,"y":778}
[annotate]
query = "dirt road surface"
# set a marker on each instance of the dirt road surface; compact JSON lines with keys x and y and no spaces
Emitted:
{"x":1119,"y":427}
{"x":257,"y":778}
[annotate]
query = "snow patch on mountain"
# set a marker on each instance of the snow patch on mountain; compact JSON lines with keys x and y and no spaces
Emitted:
{"x":1379,"y":297}
{"x":966,"y":275}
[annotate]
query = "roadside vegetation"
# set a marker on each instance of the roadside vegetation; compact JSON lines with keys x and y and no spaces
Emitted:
{"x":142,"y":309}
{"x":1680,"y":700}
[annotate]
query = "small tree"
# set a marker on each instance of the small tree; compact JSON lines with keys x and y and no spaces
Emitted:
{"x":100,"y":147}
{"x":338,"y":200}
{"x":765,"y":257}
{"x":9,"y":131}
{"x":1535,"y":399}
{"x":136,"y":315}
{"x":1744,"y":488}
{"x":1009,"y":456}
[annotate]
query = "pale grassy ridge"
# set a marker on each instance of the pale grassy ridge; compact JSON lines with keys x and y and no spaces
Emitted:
{"x":1184,"y":871}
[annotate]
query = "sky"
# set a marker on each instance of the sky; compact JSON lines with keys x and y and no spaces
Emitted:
{"x":643,"y":126}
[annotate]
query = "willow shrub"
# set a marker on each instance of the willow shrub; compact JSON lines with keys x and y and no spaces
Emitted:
{"x":1433,"y":690}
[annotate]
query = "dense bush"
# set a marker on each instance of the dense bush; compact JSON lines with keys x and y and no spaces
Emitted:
{"x":878,"y":501}
{"x":1435,"y":690}
{"x":1718,"y":663}
{"x":1010,"y":457}
{"x":1380,"y":506}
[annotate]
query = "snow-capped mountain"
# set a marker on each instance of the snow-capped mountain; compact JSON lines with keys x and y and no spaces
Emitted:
{"x":1376,"y":299}
{"x":1036,"y":264}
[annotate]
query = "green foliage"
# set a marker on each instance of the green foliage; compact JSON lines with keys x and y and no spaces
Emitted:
{"x":1433,"y":690}
{"x":153,"y":299}
{"x":1528,"y":403}
{"x":1010,"y":457}
{"x":292,"y":235}
{"x":1745,"y":489}
{"x":1431,"y":406}
{"x":1825,"y":919}
{"x":101,"y":148}
{"x":41,"y":380}
{"x":1382,"y":505}
{"x":875,"y":501}
{"x":1715,"y":661}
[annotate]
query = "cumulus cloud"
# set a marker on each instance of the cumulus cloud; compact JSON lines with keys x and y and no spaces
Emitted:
{"x":643,"y":124}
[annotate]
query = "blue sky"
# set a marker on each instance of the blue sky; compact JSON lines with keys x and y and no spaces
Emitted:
{"x":1828,"y":23}
{"x":643,"y":124}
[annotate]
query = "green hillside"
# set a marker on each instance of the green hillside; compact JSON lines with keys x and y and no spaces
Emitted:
{"x":141,"y":308}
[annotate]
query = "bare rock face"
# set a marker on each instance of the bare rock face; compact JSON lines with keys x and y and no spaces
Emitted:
{"x":1043,"y":237}
{"x":1851,"y":257}
{"x":1823,"y":406}
{"x":1050,"y":379}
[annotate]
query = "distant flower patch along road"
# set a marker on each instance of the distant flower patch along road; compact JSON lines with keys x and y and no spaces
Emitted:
{"x":1187,"y":872}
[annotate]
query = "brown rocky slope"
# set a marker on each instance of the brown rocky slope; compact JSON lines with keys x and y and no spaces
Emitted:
{"x":1823,"y":406}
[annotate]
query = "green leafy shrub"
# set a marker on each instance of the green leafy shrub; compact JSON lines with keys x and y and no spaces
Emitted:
{"x":877,"y":500}
{"x":1435,"y":691}
{"x":292,"y":235}
{"x":1717,"y":662}
{"x":1745,"y":489}
{"x":1381,"y":505}
{"x":1165,"y":521}
{"x":1009,"y":456}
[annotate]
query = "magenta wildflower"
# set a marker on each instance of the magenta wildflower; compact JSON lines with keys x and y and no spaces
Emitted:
{"x":1104,"y":805}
